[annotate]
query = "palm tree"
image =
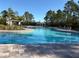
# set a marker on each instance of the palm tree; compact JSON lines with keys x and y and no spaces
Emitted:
{"x":48,"y":16}
{"x":71,"y":9}
{"x":31,"y":17}
{"x":28,"y":17}
{"x":4,"y":15}
{"x":11,"y":14}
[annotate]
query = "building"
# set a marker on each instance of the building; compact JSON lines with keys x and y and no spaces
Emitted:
{"x":13,"y":22}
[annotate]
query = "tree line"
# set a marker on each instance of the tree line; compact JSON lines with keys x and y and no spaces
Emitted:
{"x":69,"y":17}
{"x":9,"y":14}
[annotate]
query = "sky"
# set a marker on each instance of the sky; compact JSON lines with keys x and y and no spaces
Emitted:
{"x":37,"y":7}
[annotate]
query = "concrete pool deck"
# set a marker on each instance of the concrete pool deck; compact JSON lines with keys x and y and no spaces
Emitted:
{"x":18,"y":31}
{"x":39,"y":51}
{"x":66,"y":30}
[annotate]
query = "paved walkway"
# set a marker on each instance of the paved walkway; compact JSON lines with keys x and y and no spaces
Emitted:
{"x":34,"y":51}
{"x":17,"y":31}
{"x":66,"y":30}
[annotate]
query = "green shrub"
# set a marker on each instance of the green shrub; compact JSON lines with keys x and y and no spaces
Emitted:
{"x":8,"y":27}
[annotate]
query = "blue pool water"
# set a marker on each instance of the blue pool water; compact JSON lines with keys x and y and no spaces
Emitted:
{"x":40,"y":36}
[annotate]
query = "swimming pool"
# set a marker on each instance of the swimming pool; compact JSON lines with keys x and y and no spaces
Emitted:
{"x":40,"y":36}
